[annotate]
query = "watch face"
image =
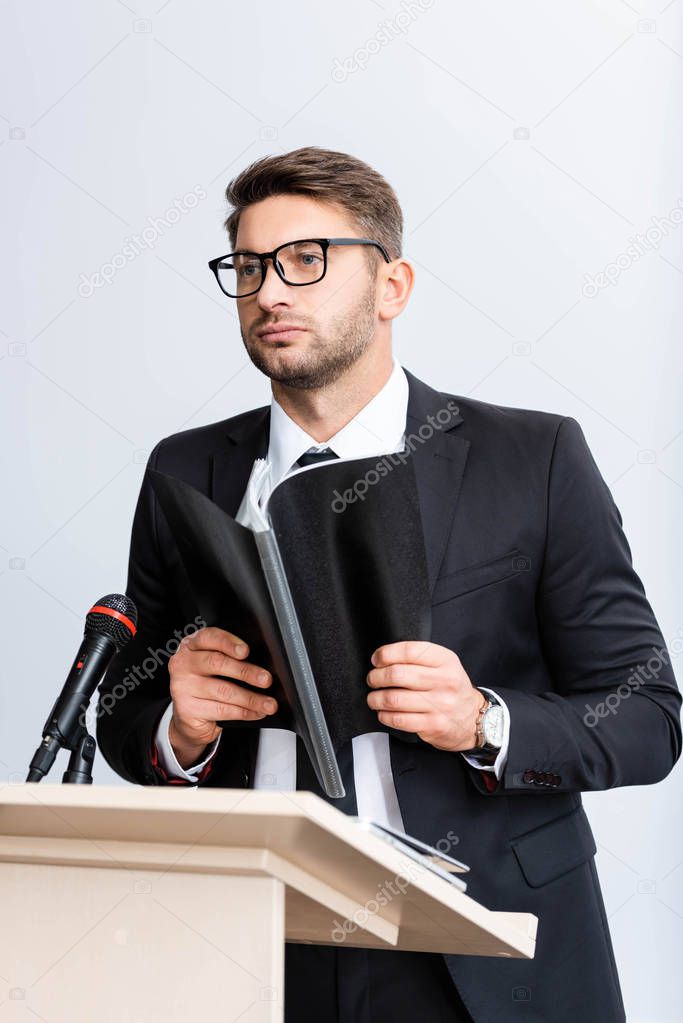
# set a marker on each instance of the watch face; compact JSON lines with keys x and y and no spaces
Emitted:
{"x":492,"y":726}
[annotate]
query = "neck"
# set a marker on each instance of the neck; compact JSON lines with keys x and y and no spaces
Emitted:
{"x":323,"y":412}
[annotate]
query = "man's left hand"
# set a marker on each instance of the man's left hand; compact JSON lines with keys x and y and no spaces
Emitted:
{"x":423,"y":688}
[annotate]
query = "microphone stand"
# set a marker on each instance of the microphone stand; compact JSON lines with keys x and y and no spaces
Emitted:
{"x":79,"y":769}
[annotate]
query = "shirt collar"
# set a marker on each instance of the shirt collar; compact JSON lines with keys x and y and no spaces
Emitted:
{"x":376,"y":430}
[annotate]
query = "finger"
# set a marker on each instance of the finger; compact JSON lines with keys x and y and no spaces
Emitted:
{"x":213,"y":638}
{"x":400,"y":701}
{"x":410,"y":652}
{"x":232,"y":692}
{"x":404,"y":722}
{"x":213,"y":662}
{"x":228,"y":712}
{"x":407,"y":676}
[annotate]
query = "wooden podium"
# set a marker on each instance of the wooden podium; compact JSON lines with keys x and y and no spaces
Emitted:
{"x":148,"y":904}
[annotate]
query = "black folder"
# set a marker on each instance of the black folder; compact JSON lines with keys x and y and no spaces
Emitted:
{"x":339,"y":571}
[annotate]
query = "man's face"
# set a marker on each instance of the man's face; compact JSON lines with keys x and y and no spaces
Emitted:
{"x":338,"y":314}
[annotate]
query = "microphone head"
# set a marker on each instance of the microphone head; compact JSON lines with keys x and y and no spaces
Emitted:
{"x":115,"y":616}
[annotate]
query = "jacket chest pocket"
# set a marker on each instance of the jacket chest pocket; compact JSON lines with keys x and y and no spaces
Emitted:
{"x":464,"y":580}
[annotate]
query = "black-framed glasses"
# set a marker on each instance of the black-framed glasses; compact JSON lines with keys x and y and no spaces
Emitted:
{"x":298,"y":263}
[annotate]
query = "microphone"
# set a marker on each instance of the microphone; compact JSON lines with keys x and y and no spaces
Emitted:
{"x":109,"y":625}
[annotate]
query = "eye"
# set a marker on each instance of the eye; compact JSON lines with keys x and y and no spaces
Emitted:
{"x":309,"y":258}
{"x":245,"y":270}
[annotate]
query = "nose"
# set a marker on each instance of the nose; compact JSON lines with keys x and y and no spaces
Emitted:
{"x":273,"y":290}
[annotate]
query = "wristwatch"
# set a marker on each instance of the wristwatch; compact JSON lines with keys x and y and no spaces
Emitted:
{"x":489,"y":729}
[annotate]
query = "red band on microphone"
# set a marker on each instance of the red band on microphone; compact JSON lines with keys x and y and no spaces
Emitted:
{"x":99,"y":609}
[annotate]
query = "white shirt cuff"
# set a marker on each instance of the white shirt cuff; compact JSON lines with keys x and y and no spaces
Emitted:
{"x":167,"y":758}
{"x":499,"y":763}
{"x":276,"y":760}
{"x":374,"y":781}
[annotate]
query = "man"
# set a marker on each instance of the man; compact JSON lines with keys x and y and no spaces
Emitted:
{"x":539,"y":621}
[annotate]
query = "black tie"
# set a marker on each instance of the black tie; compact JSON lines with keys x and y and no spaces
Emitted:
{"x":305,"y":775}
{"x":309,"y":457}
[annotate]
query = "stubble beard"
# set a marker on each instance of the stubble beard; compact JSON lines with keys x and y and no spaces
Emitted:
{"x":322,"y":361}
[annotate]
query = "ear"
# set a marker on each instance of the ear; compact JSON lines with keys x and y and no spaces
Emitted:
{"x":395,"y":284}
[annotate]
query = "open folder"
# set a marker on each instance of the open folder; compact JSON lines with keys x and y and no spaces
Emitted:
{"x":337,"y":570}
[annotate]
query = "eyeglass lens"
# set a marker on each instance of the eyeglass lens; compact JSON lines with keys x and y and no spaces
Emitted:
{"x":299,"y":263}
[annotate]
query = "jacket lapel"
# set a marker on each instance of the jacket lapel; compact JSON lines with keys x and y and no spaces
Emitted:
{"x":439,"y":456}
{"x":247,"y":439}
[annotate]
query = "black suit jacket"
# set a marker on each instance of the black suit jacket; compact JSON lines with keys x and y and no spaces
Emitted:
{"x":532,"y":585}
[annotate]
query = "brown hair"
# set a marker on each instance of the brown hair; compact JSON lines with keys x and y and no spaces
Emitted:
{"x":327,"y":176}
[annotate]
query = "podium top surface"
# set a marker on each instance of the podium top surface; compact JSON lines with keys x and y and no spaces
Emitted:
{"x":294,"y":835}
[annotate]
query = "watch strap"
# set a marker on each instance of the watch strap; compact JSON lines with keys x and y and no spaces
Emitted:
{"x":481,"y":750}
{"x":478,"y":727}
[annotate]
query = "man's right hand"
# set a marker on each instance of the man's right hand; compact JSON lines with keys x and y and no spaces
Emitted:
{"x":201,"y":698}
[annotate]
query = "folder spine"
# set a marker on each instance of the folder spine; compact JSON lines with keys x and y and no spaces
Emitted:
{"x":295,"y":647}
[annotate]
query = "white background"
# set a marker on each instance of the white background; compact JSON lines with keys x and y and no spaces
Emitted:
{"x":528,"y":144}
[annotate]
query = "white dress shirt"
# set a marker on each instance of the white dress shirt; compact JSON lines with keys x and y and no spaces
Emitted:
{"x":378,"y":429}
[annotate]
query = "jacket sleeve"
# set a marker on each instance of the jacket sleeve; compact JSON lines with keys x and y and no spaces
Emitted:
{"x":135,"y":692}
{"x":613,"y":715}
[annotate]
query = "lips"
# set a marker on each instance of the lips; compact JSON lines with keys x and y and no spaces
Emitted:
{"x":281,"y":333}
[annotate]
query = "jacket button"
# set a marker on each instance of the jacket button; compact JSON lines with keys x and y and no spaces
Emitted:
{"x":529,"y":777}
{"x":245,"y":777}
